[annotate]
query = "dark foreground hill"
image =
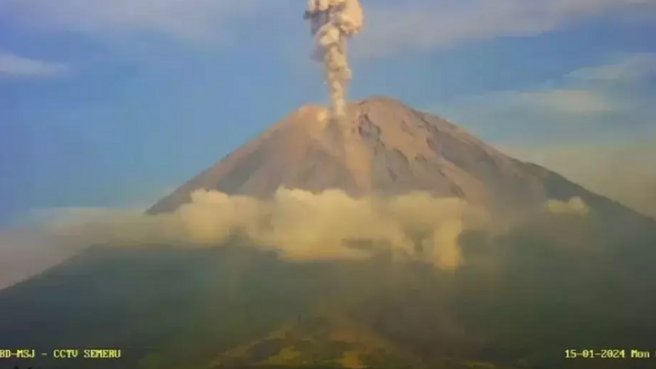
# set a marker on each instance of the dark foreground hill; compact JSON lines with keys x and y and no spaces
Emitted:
{"x":521,"y":298}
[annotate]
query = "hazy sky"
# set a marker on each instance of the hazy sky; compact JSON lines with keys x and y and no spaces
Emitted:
{"x":113,"y":103}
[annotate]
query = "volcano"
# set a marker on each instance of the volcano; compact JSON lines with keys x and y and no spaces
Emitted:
{"x":384,"y":147}
{"x":525,"y":294}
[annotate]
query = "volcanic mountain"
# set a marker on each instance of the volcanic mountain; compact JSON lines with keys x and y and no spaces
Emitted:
{"x":382,"y":147}
{"x":525,"y":294}
{"x":387,"y":148}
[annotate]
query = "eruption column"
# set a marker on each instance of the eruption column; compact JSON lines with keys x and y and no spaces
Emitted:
{"x":332,"y":23}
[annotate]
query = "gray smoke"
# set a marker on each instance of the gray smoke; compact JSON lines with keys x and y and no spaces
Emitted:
{"x":332,"y":23}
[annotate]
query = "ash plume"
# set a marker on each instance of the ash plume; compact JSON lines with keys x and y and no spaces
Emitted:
{"x":332,"y":22}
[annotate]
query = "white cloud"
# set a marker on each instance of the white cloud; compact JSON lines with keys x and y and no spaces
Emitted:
{"x":412,"y":25}
{"x":298,"y":225}
{"x":181,"y":18}
{"x":15,"y":66}
{"x":631,"y":69}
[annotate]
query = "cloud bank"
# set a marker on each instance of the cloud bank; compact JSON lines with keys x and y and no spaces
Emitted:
{"x":299,"y":226}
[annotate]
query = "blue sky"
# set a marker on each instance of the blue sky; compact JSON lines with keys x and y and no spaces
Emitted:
{"x":114,"y":103}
